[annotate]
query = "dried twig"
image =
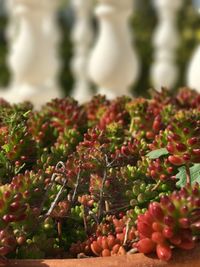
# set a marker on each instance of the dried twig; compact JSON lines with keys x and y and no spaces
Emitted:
{"x":156,"y":186}
{"x":92,"y":214}
{"x":102,"y":189}
{"x":132,"y":251}
{"x":127,"y":230}
{"x":59,"y":229}
{"x":54,"y":203}
{"x":59,"y":170}
{"x":76,"y":185}
{"x":188,"y":174}
{"x":84,"y":219}
{"x":82,"y":256}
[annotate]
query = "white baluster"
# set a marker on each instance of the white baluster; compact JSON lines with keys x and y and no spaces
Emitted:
{"x":166,"y":40}
{"x":12,"y":25}
{"x":193,"y":72}
{"x":52,"y":38}
{"x":82,"y":38}
{"x":32,"y":59}
{"x":114,"y":65}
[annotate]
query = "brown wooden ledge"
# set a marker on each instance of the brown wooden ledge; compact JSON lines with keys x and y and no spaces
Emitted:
{"x":180,"y":258}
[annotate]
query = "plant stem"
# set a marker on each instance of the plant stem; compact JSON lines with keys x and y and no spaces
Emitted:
{"x":188,"y":176}
{"x":92,"y":214}
{"x":84,"y":220}
{"x":107,"y":206}
{"x":76,"y":186}
{"x":132,"y":251}
{"x":156,"y":186}
{"x":58,"y":171}
{"x":56,"y":199}
{"x":126,"y":233}
{"x":59,"y":227}
{"x":100,"y":208}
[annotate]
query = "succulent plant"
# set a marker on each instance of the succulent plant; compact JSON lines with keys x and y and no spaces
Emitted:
{"x":95,"y":109}
{"x":110,"y":239}
{"x":170,"y":223}
{"x":66,"y":113}
{"x":183,"y":138}
{"x":101,"y":179}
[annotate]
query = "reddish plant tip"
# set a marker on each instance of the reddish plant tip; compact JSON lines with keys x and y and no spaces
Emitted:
{"x":114,"y":194}
{"x":146,"y":246}
{"x":156,"y":211}
{"x":176,"y":160}
{"x":164,"y":252}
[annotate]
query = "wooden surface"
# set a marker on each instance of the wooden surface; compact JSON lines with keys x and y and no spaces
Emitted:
{"x":180,"y":258}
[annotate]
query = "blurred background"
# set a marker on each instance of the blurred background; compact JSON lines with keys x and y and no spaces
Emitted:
{"x":143,"y":24}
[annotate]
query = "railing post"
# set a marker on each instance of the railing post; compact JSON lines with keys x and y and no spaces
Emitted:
{"x":82,"y":38}
{"x":193,"y":71}
{"x":33,"y":59}
{"x":114,"y":64}
{"x":164,"y":71}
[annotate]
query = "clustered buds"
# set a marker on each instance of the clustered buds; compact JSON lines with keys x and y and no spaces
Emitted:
{"x":116,"y":112}
{"x":183,"y":138}
{"x":7,"y":242}
{"x":95,"y":109}
{"x":146,"y":118}
{"x":187,"y":99}
{"x":100,"y":179}
{"x":113,"y":237}
{"x":65,"y":113}
{"x":170,"y":223}
{"x":161,"y":169}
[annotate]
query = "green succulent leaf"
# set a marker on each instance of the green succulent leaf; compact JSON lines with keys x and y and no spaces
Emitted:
{"x":194,"y":173}
{"x":6,"y":147}
{"x":2,"y":158}
{"x":155,"y":154}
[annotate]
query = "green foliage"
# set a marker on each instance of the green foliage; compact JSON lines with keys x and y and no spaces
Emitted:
{"x":182,"y":177}
{"x":155,"y":154}
{"x":70,"y":177}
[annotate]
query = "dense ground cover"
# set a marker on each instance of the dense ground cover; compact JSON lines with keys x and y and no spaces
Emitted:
{"x":101,"y":179}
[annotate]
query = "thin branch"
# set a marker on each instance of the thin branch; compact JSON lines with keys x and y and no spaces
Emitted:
{"x":156,"y":186}
{"x":120,"y":156}
{"x":92,"y":214}
{"x":107,"y":206}
{"x":59,"y":229}
{"x":53,"y":177}
{"x":110,"y":164}
{"x":93,"y":157}
{"x":54,"y":203}
{"x":132,"y":251}
{"x":82,"y":256}
{"x":188,"y":175}
{"x":60,"y":167}
{"x":59,"y":170}
{"x":76,"y":185}
{"x":84,"y":219}
{"x":102,"y":188}
{"x":127,"y":230}
{"x":116,"y":209}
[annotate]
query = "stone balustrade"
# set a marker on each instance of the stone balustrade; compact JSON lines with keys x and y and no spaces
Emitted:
{"x":82,"y":37}
{"x":114,"y":64}
{"x":33,"y":44}
{"x":193,"y":71}
{"x":166,"y":40}
{"x":105,"y":59}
